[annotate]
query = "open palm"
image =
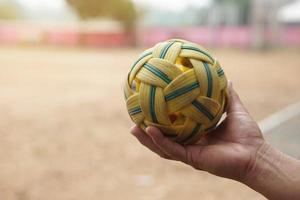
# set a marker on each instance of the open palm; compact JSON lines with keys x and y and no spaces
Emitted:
{"x":229,"y":151}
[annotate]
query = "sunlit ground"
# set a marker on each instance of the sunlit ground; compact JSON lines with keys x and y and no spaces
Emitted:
{"x":65,"y":131}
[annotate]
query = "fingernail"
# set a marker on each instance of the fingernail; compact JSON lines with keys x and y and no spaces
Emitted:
{"x":148,"y":130}
{"x":132,"y":129}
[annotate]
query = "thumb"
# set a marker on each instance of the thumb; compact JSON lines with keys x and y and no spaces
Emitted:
{"x":234,"y":102}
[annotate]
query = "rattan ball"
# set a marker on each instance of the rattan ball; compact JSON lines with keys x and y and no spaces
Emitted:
{"x":178,"y":87}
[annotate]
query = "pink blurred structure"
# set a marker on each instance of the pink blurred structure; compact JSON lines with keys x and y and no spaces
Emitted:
{"x":219,"y":37}
{"x":291,"y":36}
{"x":83,"y":35}
{"x":61,"y":38}
{"x":227,"y":36}
{"x":91,"y":34}
{"x":85,"y":39}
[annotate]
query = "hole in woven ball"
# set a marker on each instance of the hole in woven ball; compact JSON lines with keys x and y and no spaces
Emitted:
{"x":135,"y":85}
{"x":184,"y":64}
{"x":173,"y":117}
{"x":177,"y":118}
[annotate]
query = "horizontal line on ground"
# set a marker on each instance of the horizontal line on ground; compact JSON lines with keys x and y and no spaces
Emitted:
{"x":279,"y":117}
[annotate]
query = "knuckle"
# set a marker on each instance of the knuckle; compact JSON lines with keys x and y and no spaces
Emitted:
{"x":194,"y":159}
{"x":188,"y":157}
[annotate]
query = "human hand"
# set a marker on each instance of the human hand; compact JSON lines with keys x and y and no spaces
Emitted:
{"x":228,"y":151}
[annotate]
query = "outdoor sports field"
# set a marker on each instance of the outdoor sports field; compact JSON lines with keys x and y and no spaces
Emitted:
{"x":64,"y":130}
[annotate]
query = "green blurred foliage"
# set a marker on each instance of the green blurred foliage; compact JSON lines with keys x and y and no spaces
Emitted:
{"x":9,"y":10}
{"x":122,"y":10}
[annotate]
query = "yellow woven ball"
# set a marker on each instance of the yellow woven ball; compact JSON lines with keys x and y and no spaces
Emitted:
{"x":178,"y":87}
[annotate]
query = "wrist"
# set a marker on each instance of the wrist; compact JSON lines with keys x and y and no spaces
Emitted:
{"x":259,"y":165}
{"x":261,"y":171}
{"x":274,"y":174}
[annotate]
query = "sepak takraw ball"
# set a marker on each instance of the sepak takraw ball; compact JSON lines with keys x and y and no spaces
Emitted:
{"x":178,"y":87}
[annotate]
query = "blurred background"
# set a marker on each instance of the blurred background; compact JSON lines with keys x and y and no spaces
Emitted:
{"x":64,"y":129}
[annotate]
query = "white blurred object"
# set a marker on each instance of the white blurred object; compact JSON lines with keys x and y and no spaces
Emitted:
{"x":144,"y":180}
{"x":278,"y":118}
{"x":58,"y":10}
{"x":172,"y":5}
{"x":290,"y":13}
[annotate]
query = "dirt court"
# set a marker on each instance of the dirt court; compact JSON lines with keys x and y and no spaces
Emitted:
{"x":65,"y":131}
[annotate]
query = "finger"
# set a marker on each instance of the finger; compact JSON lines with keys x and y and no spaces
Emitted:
{"x":144,"y":139}
{"x":234,"y":102}
{"x":172,"y":149}
{"x":208,"y":158}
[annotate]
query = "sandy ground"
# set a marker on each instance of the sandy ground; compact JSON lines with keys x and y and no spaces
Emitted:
{"x":64,"y":127}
